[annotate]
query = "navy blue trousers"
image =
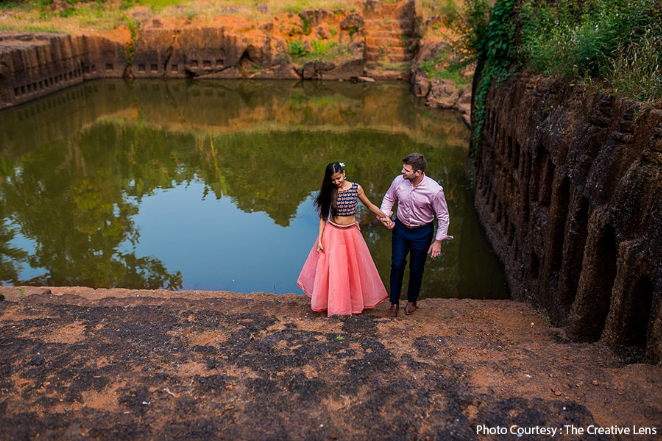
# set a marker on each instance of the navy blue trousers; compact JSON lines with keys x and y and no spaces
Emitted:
{"x":416,"y":243}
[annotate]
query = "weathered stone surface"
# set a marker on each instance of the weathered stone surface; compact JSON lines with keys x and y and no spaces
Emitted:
{"x":321,"y":70}
{"x":353,"y":20}
{"x":463,"y":105}
{"x":372,"y":7}
{"x":315,"y":17}
{"x":59,"y":5}
{"x":151,"y":53}
{"x":357,"y":45}
{"x":347,"y":71}
{"x":568,"y":189}
{"x":32,"y":65}
{"x":312,"y":70}
{"x":35,"y":65}
{"x":146,"y":365}
{"x":231,"y":73}
{"x":406,"y":11}
{"x":284,"y":71}
{"x":421,"y":83}
{"x":443,"y":94}
{"x":262,"y":8}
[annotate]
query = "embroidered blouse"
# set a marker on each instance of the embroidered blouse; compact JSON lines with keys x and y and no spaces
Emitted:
{"x":347,"y":201}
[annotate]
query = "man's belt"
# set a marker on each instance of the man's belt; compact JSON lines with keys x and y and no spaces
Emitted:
{"x":415,"y":226}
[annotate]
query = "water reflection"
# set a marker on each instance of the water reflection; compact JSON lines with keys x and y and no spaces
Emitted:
{"x":209,"y":185}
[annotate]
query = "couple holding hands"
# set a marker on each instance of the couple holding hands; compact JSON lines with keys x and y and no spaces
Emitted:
{"x":339,"y":275}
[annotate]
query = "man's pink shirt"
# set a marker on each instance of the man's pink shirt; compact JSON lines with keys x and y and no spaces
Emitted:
{"x":418,"y":204}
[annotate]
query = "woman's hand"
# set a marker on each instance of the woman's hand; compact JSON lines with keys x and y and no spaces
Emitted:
{"x":388,"y":223}
{"x":320,"y":248}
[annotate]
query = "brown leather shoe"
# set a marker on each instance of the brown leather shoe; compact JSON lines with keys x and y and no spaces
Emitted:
{"x":393,"y":312}
{"x":410,"y":308}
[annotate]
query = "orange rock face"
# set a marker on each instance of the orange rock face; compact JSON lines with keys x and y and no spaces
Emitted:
{"x":314,"y":44}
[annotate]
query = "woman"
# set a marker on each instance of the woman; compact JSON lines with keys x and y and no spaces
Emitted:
{"x":339,"y":275}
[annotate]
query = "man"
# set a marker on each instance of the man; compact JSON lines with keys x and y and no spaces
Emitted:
{"x":419,"y":199}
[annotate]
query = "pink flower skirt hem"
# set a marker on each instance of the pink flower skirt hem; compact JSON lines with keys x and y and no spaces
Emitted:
{"x":342,"y":280}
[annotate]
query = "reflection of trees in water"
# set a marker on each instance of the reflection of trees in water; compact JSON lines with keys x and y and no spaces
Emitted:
{"x":72,"y":199}
{"x":73,"y":207}
{"x":274,"y":172}
{"x":10,"y":257}
{"x":265,"y":147}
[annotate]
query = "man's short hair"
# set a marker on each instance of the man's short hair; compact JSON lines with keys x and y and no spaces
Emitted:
{"x":416,"y":160}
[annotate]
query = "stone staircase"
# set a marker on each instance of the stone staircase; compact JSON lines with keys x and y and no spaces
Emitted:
{"x":390,"y":37}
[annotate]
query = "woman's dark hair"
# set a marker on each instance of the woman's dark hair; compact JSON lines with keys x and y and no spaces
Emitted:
{"x":326,"y":202}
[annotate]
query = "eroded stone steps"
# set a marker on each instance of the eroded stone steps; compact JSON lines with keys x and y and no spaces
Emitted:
{"x":390,"y":58}
{"x":385,"y":50}
{"x":399,"y":26}
{"x":387,"y":41}
{"x":389,"y":36}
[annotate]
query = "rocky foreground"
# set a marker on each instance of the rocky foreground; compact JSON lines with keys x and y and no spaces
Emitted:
{"x":78,"y":363}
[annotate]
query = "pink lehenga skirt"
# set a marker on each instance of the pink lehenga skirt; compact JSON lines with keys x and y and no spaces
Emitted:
{"x":342,"y":280}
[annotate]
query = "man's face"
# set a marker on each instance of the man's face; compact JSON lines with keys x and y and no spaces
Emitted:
{"x":408,"y":172}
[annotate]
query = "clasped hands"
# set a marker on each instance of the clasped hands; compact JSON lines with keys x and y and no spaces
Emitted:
{"x":388,"y":223}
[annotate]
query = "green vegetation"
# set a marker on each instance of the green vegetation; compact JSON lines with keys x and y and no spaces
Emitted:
{"x":306,"y":28}
{"x":614,"y":44}
{"x":383,"y":66}
{"x":134,"y":39}
{"x":158,"y":4}
{"x":485,"y":35}
{"x":36,"y":15}
{"x":319,"y":50}
{"x":440,"y":67}
{"x":297,"y":49}
{"x":635,"y":69}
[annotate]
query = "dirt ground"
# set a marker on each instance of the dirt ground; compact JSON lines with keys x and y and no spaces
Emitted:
{"x":78,"y":363}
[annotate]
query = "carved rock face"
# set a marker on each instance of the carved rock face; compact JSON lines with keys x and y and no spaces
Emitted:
{"x":220,"y":47}
{"x":34,"y":65}
{"x":568,"y":189}
{"x":443,"y":94}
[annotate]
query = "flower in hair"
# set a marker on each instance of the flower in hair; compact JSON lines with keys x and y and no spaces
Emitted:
{"x":342,"y":164}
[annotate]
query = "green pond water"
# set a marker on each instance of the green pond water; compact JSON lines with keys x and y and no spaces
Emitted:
{"x":209,"y":185}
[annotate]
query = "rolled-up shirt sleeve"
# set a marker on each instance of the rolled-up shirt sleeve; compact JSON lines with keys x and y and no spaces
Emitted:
{"x":389,"y":200}
{"x":441,"y":210}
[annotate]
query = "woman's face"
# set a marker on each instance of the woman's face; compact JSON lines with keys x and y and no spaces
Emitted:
{"x":338,"y":179}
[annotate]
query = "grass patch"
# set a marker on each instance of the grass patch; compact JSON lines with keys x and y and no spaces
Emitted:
{"x":636,"y":69}
{"x":615,"y":45}
{"x":160,"y":4}
{"x":37,"y":17}
{"x":297,"y":49}
{"x":383,"y":66}
{"x":321,"y":48}
{"x":611,"y":43}
{"x":451,"y":73}
{"x":101,"y":15}
{"x":317,"y":49}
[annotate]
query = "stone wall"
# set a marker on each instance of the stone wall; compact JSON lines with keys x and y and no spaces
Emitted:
{"x":35,"y":65}
{"x":569,"y":190}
